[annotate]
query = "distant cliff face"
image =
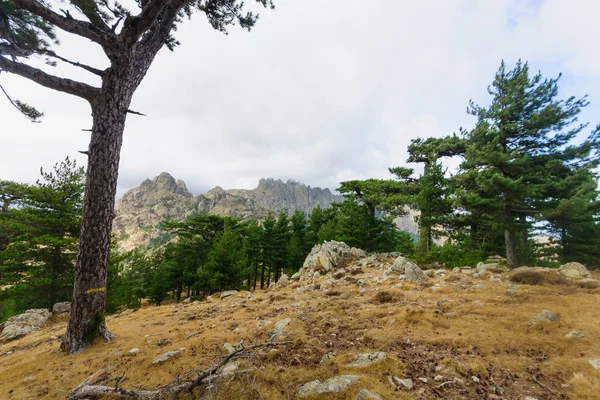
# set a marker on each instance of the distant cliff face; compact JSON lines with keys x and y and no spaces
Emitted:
{"x":141,"y":209}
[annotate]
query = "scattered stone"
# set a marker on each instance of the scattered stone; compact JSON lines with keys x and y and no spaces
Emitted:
{"x":360,"y":282}
{"x":479,"y":304}
{"x":575,"y":334}
{"x":332,"y":385}
{"x":494,"y":267}
{"x":327,"y":357}
{"x":296,"y":276}
{"x":196,"y":302}
{"x":230,"y":349}
{"x":62,"y":308}
{"x":595,"y":363}
{"x":410,"y":270}
{"x":366,"y":395}
{"x":22,"y":324}
{"x":169,"y":355}
{"x":279,"y":329}
{"x":228,"y":293}
{"x":424,"y":380}
{"x":547,"y":315}
{"x":573,"y":270}
{"x":366,"y":359}
{"x":283,"y":279}
{"x":406,"y":384}
{"x":262,"y":323}
{"x":438,"y":378}
{"x":230,"y":368}
{"x":30,"y":379}
{"x":133,"y":351}
{"x":530,"y":398}
{"x":475,"y":379}
{"x":511,"y":292}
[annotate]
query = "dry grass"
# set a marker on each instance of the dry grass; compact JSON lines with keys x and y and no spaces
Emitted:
{"x":458,"y":331}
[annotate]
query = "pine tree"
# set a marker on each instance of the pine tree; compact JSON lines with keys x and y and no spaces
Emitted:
{"x":515,"y":143}
{"x":130,"y":35}
{"x":41,"y":235}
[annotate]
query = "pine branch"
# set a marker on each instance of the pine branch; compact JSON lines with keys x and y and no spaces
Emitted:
{"x":67,"y":23}
{"x":65,"y":85}
{"x":33,"y":117}
{"x":135,"y":26}
{"x":93,"y":70}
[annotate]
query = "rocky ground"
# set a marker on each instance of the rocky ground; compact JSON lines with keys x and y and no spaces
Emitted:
{"x":360,"y":327}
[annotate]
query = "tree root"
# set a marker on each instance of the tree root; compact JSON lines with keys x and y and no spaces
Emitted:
{"x":88,"y":389}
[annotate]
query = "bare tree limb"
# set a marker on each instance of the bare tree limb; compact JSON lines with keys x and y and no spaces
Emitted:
{"x":89,"y":389}
{"x":93,"y":70}
{"x":136,"y":113}
{"x":69,"y":24}
{"x":66,"y":85}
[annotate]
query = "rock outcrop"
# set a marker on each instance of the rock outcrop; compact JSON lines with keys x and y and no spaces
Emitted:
{"x":332,"y":385}
{"x":141,"y":209}
{"x":410,"y":270}
{"x":329,"y":256}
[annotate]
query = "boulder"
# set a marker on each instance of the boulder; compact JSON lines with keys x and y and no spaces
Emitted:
{"x":327,"y":357}
{"x":547,"y":316}
{"x":366,"y":359}
{"x":575,"y":334}
{"x":23,"y":324}
{"x":332,"y":385}
{"x":62,"y":308}
{"x":366,"y":395}
{"x":573,"y":270}
{"x":595,"y":363}
{"x":406,"y":384}
{"x":329,"y":256}
{"x":279,"y":329}
{"x":296,"y":276}
{"x":169,"y":355}
{"x":228,"y":293}
{"x":491,"y":267}
{"x":410,"y":270}
{"x":283,"y":279}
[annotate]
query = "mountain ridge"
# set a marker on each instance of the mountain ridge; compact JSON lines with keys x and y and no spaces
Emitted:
{"x":141,"y":209}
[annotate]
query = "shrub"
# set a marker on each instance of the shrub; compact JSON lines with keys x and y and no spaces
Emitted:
{"x":537,"y":278}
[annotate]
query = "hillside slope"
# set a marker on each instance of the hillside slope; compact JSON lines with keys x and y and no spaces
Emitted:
{"x":455,"y":337}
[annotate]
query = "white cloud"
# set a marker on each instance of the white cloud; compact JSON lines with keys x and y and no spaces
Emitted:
{"x":318,"y":92}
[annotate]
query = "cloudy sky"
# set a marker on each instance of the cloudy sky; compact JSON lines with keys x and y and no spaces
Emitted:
{"x":319,"y":91}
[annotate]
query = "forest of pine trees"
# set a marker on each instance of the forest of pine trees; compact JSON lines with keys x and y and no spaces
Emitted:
{"x":528,"y":169}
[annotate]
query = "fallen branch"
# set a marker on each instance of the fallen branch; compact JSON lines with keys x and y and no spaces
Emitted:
{"x":544,"y":386}
{"x":193,"y":334}
{"x":89,"y":388}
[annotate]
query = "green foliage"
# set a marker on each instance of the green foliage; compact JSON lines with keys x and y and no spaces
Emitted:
{"x":39,"y":230}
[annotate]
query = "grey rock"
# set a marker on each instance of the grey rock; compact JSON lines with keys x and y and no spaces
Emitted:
{"x":410,"y":270}
{"x":22,"y":324}
{"x":296,"y":276}
{"x":133,"y":351}
{"x":366,"y":359}
{"x":332,"y":385}
{"x":491,"y":267}
{"x":438,"y":378}
{"x":366,"y":395}
{"x":406,"y":384}
{"x":575,"y":334}
{"x":169,"y":355}
{"x":424,"y":380}
{"x":230,"y":349}
{"x":329,"y":256}
{"x":279,"y":329}
{"x":230,"y":368}
{"x":574,"y":270}
{"x":511,"y":292}
{"x":595,"y":363}
{"x":327,"y":357}
{"x":547,"y":316}
{"x":62,"y":308}
{"x":475,"y":379}
{"x":283,"y":279}
{"x":228,"y":293}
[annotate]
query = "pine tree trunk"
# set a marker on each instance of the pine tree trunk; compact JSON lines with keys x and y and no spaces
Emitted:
{"x":89,"y":293}
{"x":511,"y":249}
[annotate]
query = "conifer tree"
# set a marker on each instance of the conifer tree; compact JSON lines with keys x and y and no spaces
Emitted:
{"x":130,"y":35}
{"x":513,"y":146}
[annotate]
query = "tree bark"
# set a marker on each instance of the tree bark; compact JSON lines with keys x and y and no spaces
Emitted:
{"x":109,"y":112}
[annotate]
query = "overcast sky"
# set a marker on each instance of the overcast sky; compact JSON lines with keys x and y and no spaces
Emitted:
{"x":319,"y":91}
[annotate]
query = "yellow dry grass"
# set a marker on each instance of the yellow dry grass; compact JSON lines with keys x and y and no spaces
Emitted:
{"x":458,"y":331}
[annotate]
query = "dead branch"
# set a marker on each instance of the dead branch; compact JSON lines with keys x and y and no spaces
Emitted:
{"x":543,"y":386}
{"x":89,"y":388}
